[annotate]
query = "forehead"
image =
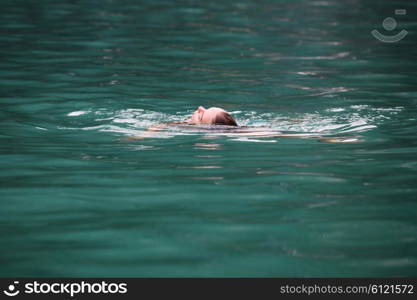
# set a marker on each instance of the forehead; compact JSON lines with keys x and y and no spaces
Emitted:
{"x":214,"y":110}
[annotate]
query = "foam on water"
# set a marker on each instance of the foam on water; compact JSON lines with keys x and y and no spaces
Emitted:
{"x":331,"y":121}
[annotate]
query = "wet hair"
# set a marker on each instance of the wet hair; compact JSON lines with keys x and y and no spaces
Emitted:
{"x":223,"y":118}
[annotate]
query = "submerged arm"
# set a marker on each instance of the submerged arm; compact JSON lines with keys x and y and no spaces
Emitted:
{"x":151,"y":131}
{"x":321,"y":138}
{"x":261,"y":134}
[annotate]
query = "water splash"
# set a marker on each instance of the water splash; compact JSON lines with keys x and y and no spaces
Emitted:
{"x":332,"y":121}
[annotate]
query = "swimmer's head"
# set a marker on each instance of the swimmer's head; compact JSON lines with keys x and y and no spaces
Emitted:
{"x":212,"y":115}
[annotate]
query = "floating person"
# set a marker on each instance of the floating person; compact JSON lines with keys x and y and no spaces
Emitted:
{"x":222,"y":122}
{"x":211,"y":116}
{"x":202,"y":116}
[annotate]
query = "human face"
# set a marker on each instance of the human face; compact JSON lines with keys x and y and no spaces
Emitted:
{"x":205,"y":116}
{"x":197,"y":116}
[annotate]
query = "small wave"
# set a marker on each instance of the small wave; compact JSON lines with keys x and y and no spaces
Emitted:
{"x":77,"y":113}
{"x":334,"y":120}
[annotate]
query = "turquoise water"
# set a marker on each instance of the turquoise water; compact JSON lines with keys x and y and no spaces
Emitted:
{"x":79,"y":77}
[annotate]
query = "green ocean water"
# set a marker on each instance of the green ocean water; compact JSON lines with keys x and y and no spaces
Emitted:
{"x":79,"y":77}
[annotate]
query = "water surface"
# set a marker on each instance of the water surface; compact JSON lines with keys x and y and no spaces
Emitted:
{"x":79,"y":77}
